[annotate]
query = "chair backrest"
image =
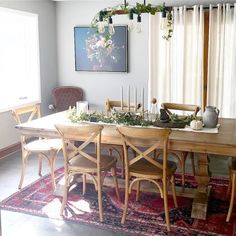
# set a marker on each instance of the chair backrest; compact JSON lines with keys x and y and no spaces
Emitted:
{"x":66,"y":96}
{"x":87,"y":132}
{"x":27,"y":113}
{"x":117,"y":104}
{"x":181,"y":107}
{"x":150,"y":138}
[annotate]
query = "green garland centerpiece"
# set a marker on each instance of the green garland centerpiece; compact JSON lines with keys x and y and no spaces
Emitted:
{"x":125,"y":118}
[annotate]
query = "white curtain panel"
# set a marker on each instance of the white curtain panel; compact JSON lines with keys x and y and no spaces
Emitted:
{"x":176,"y":66}
{"x":222,"y":59}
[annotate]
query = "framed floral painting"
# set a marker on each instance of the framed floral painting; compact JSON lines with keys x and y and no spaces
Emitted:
{"x":101,"y":52}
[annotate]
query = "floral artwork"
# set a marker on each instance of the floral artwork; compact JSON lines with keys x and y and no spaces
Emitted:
{"x":100,"y":52}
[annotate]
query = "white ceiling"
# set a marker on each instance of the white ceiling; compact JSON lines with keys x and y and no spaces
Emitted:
{"x":168,"y":2}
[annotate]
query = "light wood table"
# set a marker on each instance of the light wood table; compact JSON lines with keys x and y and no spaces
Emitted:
{"x":223,"y":143}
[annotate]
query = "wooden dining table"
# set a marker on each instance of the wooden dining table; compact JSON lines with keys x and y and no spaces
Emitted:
{"x":202,"y":144}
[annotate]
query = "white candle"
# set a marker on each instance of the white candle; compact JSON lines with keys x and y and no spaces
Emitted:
{"x":135,"y":99}
{"x":142,"y":100}
{"x":129,"y":98}
{"x":121,"y":98}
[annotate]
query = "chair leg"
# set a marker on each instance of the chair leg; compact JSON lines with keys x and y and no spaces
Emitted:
{"x":191,"y":156}
{"x":166,"y":205}
{"x":138,"y":190}
{"x":23,"y":168}
{"x":183,"y":161}
{"x":40,"y":165}
{"x":51,"y":161}
{"x":173,"y":190}
{"x":84,"y":184}
{"x":65,"y":193}
{"x":113,"y":172}
{"x":110,"y":151}
{"x":230,"y":184}
{"x":122,"y":163}
{"x":100,"y":198}
{"x":126,"y":198}
{"x":232,"y":197}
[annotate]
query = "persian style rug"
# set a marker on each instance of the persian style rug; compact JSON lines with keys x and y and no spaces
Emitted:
{"x":145,"y":217}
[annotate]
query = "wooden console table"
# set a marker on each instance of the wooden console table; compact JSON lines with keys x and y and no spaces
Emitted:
{"x":222,"y":143}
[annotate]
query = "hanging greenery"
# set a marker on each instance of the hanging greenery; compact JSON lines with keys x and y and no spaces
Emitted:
{"x":138,"y":9}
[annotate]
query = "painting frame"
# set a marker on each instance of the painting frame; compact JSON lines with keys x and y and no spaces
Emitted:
{"x":101,"y":52}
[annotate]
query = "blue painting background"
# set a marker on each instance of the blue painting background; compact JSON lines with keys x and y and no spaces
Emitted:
{"x":100,"y":52}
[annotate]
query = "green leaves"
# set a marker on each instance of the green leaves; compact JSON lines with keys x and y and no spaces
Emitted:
{"x":181,"y":119}
{"x":117,"y":117}
{"x":138,"y":9}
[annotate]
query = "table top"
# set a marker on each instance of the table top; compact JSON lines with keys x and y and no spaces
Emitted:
{"x":224,"y":142}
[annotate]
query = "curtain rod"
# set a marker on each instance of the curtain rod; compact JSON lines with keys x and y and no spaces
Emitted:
{"x":207,"y":8}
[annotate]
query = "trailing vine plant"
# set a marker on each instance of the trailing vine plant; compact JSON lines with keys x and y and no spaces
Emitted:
{"x":126,"y":9}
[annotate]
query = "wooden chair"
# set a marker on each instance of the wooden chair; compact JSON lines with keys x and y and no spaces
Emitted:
{"x":117,"y":104}
{"x":232,"y":187}
{"x":182,"y":156}
{"x":44,"y":148}
{"x":64,"y":97}
{"x":144,"y":167}
{"x":78,"y":161}
{"x":117,"y":148}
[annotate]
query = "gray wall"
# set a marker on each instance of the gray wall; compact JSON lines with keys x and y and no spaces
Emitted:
{"x":48,"y":60}
{"x":62,"y":16}
{"x":98,"y":86}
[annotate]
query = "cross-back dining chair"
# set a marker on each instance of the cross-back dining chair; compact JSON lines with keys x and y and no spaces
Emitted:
{"x":77,"y":160}
{"x":110,"y":105}
{"x":182,"y":156}
{"x":143,"y":166}
{"x":117,"y":104}
{"x":44,"y":148}
{"x":232,"y":186}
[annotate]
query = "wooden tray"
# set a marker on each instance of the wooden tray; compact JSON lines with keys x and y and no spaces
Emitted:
{"x":170,"y":124}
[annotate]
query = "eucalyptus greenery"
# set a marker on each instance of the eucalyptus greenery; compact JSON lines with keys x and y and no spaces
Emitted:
{"x":138,"y":9}
{"x":126,"y":118}
{"x":181,"y":119}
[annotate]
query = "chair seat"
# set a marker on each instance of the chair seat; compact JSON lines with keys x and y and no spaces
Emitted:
{"x":81,"y":163}
{"x":143,"y":167}
{"x":43,"y":145}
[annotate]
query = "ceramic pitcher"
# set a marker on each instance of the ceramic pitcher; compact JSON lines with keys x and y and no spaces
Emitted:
{"x":210,"y":117}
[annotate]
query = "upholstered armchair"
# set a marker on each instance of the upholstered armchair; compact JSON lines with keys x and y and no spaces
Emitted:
{"x":64,"y":97}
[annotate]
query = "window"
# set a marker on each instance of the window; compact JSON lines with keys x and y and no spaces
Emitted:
{"x":19,"y":59}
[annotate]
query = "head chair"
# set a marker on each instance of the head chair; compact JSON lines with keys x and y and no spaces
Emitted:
{"x":44,"y":148}
{"x":20,"y":114}
{"x":66,"y":96}
{"x":181,"y":107}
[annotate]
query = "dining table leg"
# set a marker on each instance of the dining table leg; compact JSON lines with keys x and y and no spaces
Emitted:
{"x":200,"y":201}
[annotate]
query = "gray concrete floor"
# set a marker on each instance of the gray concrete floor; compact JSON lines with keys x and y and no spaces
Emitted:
{"x":21,"y":224}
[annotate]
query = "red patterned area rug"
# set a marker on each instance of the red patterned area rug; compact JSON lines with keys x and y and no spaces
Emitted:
{"x":144,"y":218}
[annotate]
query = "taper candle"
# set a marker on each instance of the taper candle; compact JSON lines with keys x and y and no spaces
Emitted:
{"x":129,"y":98}
{"x":121,"y":98}
{"x":142,"y":100}
{"x":135,"y":99}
